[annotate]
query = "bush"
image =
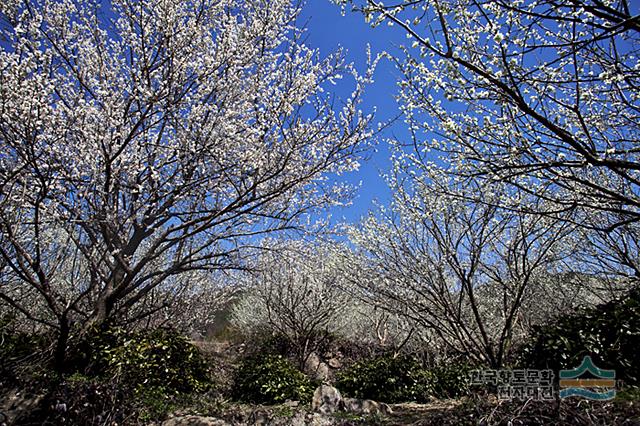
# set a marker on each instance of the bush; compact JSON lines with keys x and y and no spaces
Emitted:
{"x":152,"y":404}
{"x":402,"y":379}
{"x":271,"y":379}
{"x":450,"y":380}
{"x":271,"y":344}
{"x":159,"y":359}
{"x":387,"y":379}
{"x":609,"y":333}
{"x":15,"y":344}
{"x":23,"y":356}
{"x":280,"y":344}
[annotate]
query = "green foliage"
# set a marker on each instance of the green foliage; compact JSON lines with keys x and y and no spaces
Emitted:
{"x":273,"y":344}
{"x":15,"y":344}
{"x":609,"y":333}
{"x":271,"y":379}
{"x":284,"y":411}
{"x":154,"y":403}
{"x":87,"y":401}
{"x":387,"y":379}
{"x":354,"y":418}
{"x":19,"y":345}
{"x":631,"y":394}
{"x":77,"y":379}
{"x":450,"y":380}
{"x":162,"y":360}
{"x":402,"y":379}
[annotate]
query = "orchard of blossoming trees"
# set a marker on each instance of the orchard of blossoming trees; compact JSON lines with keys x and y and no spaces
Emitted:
{"x":524,"y":161}
{"x":166,"y":163}
{"x":149,"y":140}
{"x":541,"y":96}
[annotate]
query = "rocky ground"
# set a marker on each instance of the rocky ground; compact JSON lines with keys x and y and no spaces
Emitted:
{"x":475,"y":410}
{"x":330,"y":408}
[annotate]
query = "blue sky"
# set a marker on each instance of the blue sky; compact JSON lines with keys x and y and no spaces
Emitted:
{"x":327,"y":30}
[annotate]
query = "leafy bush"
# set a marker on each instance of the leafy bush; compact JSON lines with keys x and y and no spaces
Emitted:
{"x":23,"y":356}
{"x":609,"y":333}
{"x":271,"y":379}
{"x":15,"y":344}
{"x":280,"y":344}
{"x":159,"y":359}
{"x":387,"y":379}
{"x":450,"y":380}
{"x":270,"y":343}
{"x":402,"y":379}
{"x":152,"y":403}
{"x":18,"y":345}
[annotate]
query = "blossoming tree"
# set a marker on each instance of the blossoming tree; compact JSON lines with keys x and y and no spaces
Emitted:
{"x":142,"y":140}
{"x":542,"y":95}
{"x":301,"y":292}
{"x":462,"y":270}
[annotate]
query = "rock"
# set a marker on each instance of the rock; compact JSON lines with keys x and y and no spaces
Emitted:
{"x":318,"y":420}
{"x":334,"y":363}
{"x":299,"y":419}
{"x":315,"y":367}
{"x":322,"y":373}
{"x":314,"y":419}
{"x":312,"y":362}
{"x":195,"y":421}
{"x":366,"y":406}
{"x":327,"y":400}
{"x":260,"y":418}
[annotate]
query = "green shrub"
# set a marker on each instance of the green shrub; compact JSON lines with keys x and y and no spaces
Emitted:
{"x":450,"y":380}
{"x":89,"y":400}
{"x":402,"y":379}
{"x":271,"y":344}
{"x":154,"y":404}
{"x":160,"y":359}
{"x":16,"y":344}
{"x":386,"y":379}
{"x":609,"y":333}
{"x":271,"y":379}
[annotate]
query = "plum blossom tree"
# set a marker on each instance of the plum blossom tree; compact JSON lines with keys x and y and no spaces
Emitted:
{"x":462,"y":270}
{"x":297,"y":292}
{"x":540,"y":94}
{"x":188,"y":303}
{"x":143,"y":140}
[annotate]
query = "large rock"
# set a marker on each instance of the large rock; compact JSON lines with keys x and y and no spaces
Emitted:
{"x":327,"y":400}
{"x":315,"y":367}
{"x":366,"y":406}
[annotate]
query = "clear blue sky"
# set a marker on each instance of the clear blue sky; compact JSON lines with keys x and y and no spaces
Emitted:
{"x":327,"y":30}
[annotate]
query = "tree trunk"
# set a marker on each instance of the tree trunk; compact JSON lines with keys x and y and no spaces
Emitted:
{"x":60,"y":353}
{"x":101,"y":313}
